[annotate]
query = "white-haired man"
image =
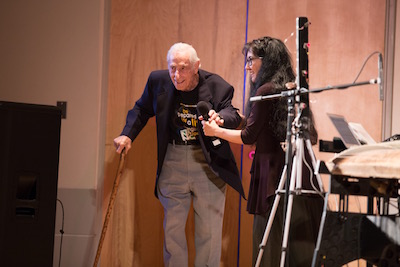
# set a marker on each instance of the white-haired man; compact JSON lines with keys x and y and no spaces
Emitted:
{"x":190,"y":166}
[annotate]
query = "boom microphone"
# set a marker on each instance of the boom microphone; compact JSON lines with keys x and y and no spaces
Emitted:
{"x":202,"y":109}
{"x":380,"y":77}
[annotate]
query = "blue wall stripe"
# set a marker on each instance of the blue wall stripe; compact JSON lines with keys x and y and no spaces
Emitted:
{"x":243,"y":110}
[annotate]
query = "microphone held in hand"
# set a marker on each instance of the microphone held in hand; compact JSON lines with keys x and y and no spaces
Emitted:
{"x":202,"y":109}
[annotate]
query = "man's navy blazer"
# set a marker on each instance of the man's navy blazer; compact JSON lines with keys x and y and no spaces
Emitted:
{"x":158,"y":100}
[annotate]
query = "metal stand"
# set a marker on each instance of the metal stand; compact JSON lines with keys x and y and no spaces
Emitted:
{"x":292,"y":172}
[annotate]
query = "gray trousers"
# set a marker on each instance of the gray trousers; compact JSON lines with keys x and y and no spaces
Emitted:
{"x":186,"y":177}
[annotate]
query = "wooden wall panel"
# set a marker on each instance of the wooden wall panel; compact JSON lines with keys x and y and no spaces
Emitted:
{"x":342,"y":34}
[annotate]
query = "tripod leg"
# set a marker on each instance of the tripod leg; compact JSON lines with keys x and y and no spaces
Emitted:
{"x":271,"y":217}
{"x":288,"y":213}
{"x":320,"y":232}
{"x":299,"y":162}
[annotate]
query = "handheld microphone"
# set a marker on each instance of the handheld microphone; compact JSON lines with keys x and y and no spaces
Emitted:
{"x":202,"y":109}
{"x":380,"y":77}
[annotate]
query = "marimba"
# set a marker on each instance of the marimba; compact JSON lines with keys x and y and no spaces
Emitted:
{"x":372,"y":171}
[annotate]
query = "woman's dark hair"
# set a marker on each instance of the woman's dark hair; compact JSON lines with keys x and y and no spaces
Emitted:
{"x":276,"y":67}
{"x":276,"y":64}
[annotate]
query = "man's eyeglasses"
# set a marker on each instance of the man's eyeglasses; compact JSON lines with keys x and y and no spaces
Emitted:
{"x":249,"y":60}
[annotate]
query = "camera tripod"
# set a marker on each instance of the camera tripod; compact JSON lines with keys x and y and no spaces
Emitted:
{"x":292,"y":172}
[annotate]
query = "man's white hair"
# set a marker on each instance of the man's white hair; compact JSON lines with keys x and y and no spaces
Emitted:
{"x":178,"y":47}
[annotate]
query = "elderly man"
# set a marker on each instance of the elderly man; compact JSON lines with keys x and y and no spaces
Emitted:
{"x":190,"y":166}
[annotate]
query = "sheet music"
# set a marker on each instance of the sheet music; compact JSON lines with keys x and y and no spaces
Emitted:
{"x":344,"y":130}
{"x":361,"y":134}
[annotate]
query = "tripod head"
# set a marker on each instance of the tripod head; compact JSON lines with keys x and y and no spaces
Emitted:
{"x":302,"y":124}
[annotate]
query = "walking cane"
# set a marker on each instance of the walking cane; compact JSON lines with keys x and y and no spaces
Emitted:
{"x":110,"y":206}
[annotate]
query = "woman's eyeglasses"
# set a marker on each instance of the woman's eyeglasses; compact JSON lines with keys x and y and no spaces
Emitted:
{"x":249,"y":60}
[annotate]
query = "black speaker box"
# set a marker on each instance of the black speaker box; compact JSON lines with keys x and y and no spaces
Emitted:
{"x":350,"y":236}
{"x":29,"y":158}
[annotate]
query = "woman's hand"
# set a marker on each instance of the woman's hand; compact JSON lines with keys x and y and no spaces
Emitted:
{"x":213,"y":116}
{"x":210,"y":128}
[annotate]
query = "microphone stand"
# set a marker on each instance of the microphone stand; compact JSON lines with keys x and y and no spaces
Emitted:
{"x":289,"y":173}
{"x":291,"y":92}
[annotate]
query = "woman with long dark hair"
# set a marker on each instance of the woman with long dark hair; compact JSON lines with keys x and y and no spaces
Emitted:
{"x":269,"y":65}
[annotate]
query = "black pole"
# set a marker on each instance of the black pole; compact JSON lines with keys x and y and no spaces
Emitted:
{"x":288,"y":156}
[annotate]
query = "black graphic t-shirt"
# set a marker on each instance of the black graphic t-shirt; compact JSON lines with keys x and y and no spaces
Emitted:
{"x":184,"y":119}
